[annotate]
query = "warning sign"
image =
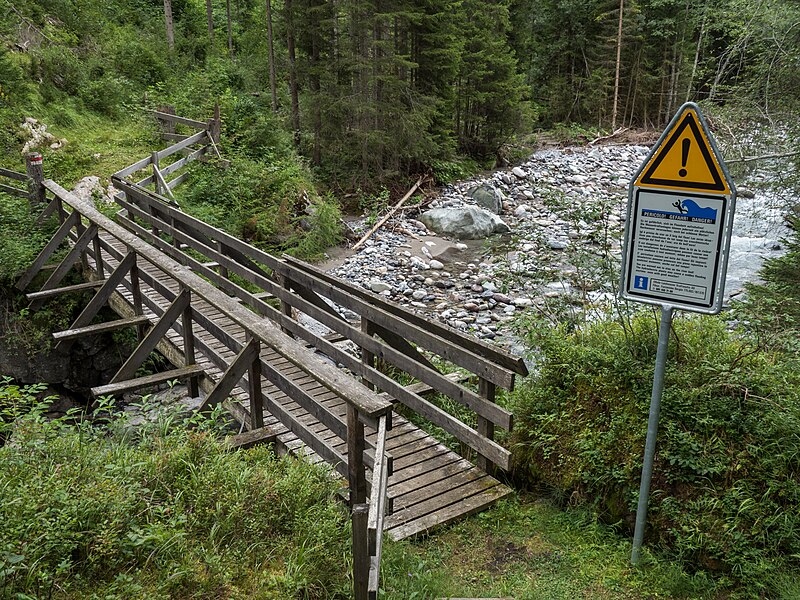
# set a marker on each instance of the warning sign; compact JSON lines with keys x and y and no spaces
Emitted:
{"x":680,"y":214}
{"x":685,"y":160}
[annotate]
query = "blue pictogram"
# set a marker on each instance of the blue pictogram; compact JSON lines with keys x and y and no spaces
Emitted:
{"x":640,"y":282}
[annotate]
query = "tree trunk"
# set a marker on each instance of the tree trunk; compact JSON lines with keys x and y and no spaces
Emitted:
{"x":271,"y":58}
{"x":210,"y":17}
{"x":170,"y":25}
{"x":314,"y":82}
{"x":616,"y":71}
{"x":292,"y":72}
{"x":228,"y":22}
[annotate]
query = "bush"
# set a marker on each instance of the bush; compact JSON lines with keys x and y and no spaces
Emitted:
{"x":20,"y":239}
{"x":88,"y":511}
{"x":725,"y":492}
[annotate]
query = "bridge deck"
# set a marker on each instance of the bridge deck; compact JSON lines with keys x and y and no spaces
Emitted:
{"x":430,"y":486}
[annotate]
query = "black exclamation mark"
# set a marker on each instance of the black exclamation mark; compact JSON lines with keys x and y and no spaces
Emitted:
{"x":686,"y":144}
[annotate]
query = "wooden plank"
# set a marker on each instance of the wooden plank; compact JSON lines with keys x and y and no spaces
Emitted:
{"x":488,"y":351}
{"x":173,"y":137}
{"x":13,"y":191}
{"x":440,"y":472}
{"x":13,"y":174}
{"x":434,"y":490}
{"x":99,"y":300}
{"x":58,"y":237}
{"x":422,"y":335}
{"x":232,"y":375}
{"x":119,"y":387}
{"x":51,"y":208}
{"x":152,"y":338}
{"x":192,"y":139}
{"x":78,"y":287}
{"x":72,"y":257}
{"x":367,"y":402}
{"x":448,"y":514}
{"x":263,"y":435}
{"x":182,"y":162}
{"x":129,"y":170}
{"x":182,"y":120}
{"x":71,"y":334}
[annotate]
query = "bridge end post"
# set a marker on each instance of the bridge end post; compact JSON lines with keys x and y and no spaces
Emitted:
{"x":35,"y":171}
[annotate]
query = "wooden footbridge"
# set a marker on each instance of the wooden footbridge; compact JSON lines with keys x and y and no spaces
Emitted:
{"x":225,"y":314}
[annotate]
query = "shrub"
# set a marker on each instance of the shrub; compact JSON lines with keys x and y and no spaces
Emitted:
{"x":88,"y":511}
{"x":725,"y":491}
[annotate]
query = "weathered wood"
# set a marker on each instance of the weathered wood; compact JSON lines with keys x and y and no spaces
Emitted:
{"x":485,"y":427}
{"x":450,"y":513}
{"x":368,"y":403}
{"x":233,"y":374}
{"x":388,"y":215}
{"x":33,"y":168}
{"x":73,"y":334}
{"x":377,"y":500}
{"x":360,"y":552}
{"x":476,"y":346}
{"x":254,"y":437}
{"x":130,"y":170}
{"x":8,"y":189}
{"x":13,"y":174}
{"x":173,"y":137}
{"x":421,"y":335}
{"x":51,"y":208}
{"x":119,"y":387}
{"x":72,"y":257}
{"x":400,"y":343}
{"x":175,"y":148}
{"x":176,"y":119}
{"x":101,"y":297}
{"x":254,"y":389}
{"x":355,"y":458}
{"x":51,"y":246}
{"x":187,"y":332}
{"x":148,"y":344}
{"x":52,"y":292}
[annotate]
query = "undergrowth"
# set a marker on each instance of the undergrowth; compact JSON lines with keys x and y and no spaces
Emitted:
{"x":92,"y":509}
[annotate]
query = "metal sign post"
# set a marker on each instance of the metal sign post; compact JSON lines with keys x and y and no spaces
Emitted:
{"x":677,"y":236}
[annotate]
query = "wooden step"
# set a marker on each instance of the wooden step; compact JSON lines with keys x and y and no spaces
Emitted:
{"x":254,"y":437}
{"x":71,"y":334}
{"x":89,"y":285}
{"x":112,"y":389}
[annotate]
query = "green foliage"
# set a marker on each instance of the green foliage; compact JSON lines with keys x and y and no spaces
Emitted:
{"x":20,"y":239}
{"x":89,"y":511}
{"x":725,"y":493}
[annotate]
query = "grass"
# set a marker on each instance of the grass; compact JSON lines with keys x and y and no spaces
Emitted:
{"x":528,"y":548}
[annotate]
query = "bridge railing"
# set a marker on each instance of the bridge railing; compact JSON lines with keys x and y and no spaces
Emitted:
{"x":386,"y":331}
{"x":158,"y":294}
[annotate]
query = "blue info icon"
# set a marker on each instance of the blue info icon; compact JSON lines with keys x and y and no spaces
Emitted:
{"x":640,"y":282}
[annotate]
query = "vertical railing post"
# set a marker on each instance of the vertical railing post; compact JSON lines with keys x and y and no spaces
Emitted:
{"x":188,"y":345}
{"x":360,"y":551}
{"x":355,"y":457}
{"x":254,"y":385}
{"x":136,"y":293}
{"x":35,"y":170}
{"x":367,"y":357}
{"x":99,"y":267}
{"x":487,"y":390}
{"x":221,"y":249}
{"x":286,"y":308}
{"x":156,"y":179}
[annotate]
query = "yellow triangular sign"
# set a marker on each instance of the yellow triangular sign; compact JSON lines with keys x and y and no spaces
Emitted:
{"x":685,"y":160}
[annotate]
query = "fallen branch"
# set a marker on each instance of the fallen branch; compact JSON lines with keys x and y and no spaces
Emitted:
{"x":386,"y":217}
{"x":608,"y":137}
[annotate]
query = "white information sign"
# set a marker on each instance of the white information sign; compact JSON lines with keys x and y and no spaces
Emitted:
{"x":680,"y":214}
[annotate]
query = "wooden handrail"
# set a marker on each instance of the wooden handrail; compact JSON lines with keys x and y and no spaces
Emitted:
{"x":368,"y":404}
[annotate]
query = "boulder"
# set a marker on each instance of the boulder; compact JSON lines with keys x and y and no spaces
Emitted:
{"x":488,"y":197}
{"x":467,"y":223}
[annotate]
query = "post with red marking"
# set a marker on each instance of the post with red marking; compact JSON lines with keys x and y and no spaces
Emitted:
{"x":677,"y":236}
{"x":33,"y":166}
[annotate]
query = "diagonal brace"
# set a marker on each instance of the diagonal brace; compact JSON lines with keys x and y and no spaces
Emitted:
{"x":101,"y":297}
{"x":149,"y":342}
{"x":69,"y":261}
{"x":233,"y":374}
{"x":48,"y":251}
